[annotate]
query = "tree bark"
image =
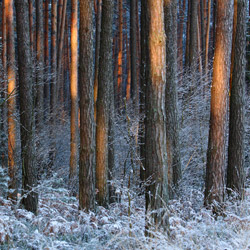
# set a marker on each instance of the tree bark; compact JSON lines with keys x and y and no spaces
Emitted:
{"x":74,"y":93}
{"x":155,"y":143}
{"x":216,"y":155}
{"x":207,"y":36}
{"x":29,"y":173}
{"x":87,"y":128}
{"x":12,"y":167}
{"x":102,"y":120}
{"x":40,"y":64}
{"x":236,"y":158}
{"x":172,"y":131}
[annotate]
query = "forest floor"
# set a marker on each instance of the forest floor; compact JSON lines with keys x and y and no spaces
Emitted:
{"x":60,"y":225}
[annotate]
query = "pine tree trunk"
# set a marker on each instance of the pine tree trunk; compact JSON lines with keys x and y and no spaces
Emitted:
{"x":155,"y":143}
{"x":32,"y":45}
{"x":236,"y":159}
{"x":172,"y":131}
{"x":207,"y":36}
{"x":12,"y":167}
{"x":40,"y":64}
{"x":216,"y":155}
{"x":102,"y":119}
{"x":87,"y":132}
{"x":29,"y":173}
{"x":74,"y":93}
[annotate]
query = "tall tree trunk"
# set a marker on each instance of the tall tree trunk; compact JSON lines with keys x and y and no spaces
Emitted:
{"x":53,"y":100}
{"x":202,"y":32}
{"x":207,"y":35}
{"x":236,"y":159}
{"x":87,"y":132}
{"x":31,"y":25}
{"x":216,"y":155}
{"x":4,"y":154}
{"x":29,"y":173}
{"x":74,"y":93}
{"x":133,"y":55}
{"x":102,"y":119}
{"x":60,"y":49}
{"x":172,"y":131}
{"x":188,"y":35}
{"x":46,"y":59}
{"x":193,"y":47}
{"x":97,"y":48}
{"x":155,"y":143}
{"x":180,"y":32}
{"x":120,"y":55}
{"x":11,"y":101}
{"x":40,"y":63}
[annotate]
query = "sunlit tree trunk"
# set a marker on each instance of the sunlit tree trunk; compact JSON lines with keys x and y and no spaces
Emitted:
{"x":3,"y":150}
{"x":216,"y":154}
{"x":172,"y":131}
{"x":236,"y":158}
{"x":40,"y":63}
{"x":102,"y":119}
{"x":11,"y":101}
{"x":155,"y":143}
{"x":74,"y":92}
{"x":87,"y":128}
{"x":29,"y":167}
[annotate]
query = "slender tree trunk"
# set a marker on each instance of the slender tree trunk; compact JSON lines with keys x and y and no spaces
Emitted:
{"x":102,"y":121}
{"x":31,"y":25}
{"x":180,"y":32}
{"x":46,"y":59}
{"x":74,"y":93}
{"x":133,"y":55}
{"x":59,"y":18}
{"x":128,"y":86}
{"x":29,"y":173}
{"x":236,"y":158}
{"x":187,"y":35}
{"x":155,"y":143}
{"x":202,"y":32}
{"x":216,"y":155}
{"x":207,"y":35}
{"x":11,"y":101}
{"x":172,"y":131}
{"x":60,"y":49}
{"x":120,"y":55}
{"x":4,"y":154}
{"x":97,"y":48}
{"x":40,"y":63}
{"x":87,"y":132}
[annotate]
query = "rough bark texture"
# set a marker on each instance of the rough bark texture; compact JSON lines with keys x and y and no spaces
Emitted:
{"x":216,"y":155}
{"x":74,"y":93}
{"x":207,"y":35}
{"x":172,"y":126}
{"x":87,"y":124}
{"x":155,"y":143}
{"x":11,"y":101}
{"x":236,"y":159}
{"x":29,"y":167}
{"x":102,"y":119}
{"x":40,"y":63}
{"x":31,"y":25}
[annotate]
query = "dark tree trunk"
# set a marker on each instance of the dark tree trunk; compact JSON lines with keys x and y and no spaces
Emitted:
{"x":236,"y":159}
{"x":172,"y":131}
{"x":105,"y":80}
{"x":87,"y":128}
{"x":29,"y":167}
